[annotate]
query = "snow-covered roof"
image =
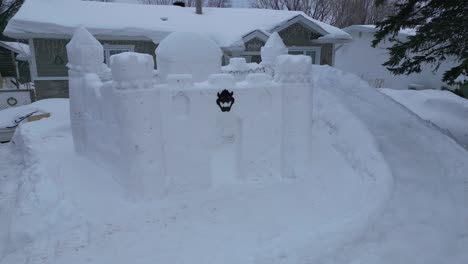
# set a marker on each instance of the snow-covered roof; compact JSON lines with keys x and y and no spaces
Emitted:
{"x":226,"y":26}
{"x":19,"y":48}
{"x":373,"y":28}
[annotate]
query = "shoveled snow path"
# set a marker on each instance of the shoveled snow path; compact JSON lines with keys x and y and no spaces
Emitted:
{"x":426,"y":219}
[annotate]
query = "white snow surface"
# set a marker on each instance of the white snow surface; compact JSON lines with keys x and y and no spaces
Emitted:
{"x":53,"y":106}
{"x":226,"y":26}
{"x":385,"y":187}
{"x":443,"y":108}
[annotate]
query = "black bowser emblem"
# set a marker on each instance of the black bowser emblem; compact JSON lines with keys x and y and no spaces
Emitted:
{"x":225,"y":100}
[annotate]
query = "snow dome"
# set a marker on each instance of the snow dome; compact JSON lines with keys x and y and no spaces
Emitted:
{"x":188,"y":53}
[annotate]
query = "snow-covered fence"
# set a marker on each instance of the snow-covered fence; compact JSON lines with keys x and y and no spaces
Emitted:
{"x":184,"y":135}
{"x":239,"y":68}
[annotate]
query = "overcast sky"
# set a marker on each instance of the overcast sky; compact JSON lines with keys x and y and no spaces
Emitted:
{"x":235,"y":3}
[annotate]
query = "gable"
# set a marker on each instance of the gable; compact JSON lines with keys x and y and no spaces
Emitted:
{"x":298,"y":34}
{"x":254,"y":44}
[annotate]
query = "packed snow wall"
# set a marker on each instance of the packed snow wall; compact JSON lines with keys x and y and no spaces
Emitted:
{"x":183,"y":135}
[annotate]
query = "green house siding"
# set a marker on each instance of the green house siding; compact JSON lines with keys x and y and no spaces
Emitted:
{"x":24,"y":73}
{"x":51,"y":89}
{"x":51,"y":54}
{"x":254,"y":44}
{"x":297,"y":35}
{"x":7,"y":68}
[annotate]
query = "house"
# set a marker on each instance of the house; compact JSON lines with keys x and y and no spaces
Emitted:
{"x":14,"y":66}
{"x":360,"y":58}
{"x":132,"y":27}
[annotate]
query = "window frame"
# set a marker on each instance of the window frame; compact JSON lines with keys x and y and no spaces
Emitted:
{"x":109,"y":47}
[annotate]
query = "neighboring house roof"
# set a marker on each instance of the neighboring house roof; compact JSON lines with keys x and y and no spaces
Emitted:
{"x":373,"y":28}
{"x":226,"y":26}
{"x":19,"y":48}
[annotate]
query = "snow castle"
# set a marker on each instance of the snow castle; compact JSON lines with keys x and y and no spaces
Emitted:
{"x":189,"y":126}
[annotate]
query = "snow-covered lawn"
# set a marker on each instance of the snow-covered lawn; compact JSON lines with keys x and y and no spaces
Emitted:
{"x":443,"y":108}
{"x":386,"y":187}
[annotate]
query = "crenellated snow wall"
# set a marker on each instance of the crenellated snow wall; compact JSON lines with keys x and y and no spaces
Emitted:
{"x":183,"y":135}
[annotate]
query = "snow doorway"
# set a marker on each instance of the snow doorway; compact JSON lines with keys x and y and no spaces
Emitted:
{"x":226,"y":155}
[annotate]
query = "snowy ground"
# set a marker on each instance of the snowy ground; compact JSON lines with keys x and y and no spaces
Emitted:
{"x":386,"y":187}
{"x":443,"y":108}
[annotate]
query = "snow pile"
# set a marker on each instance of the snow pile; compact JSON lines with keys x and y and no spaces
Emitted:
{"x":81,"y":214}
{"x":226,"y":26}
{"x":443,"y":108}
{"x":69,"y":209}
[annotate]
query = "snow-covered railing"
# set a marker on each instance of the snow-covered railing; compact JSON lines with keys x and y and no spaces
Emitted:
{"x":184,"y":135}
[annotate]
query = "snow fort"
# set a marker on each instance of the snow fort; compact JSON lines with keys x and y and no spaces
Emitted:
{"x":188,"y":126}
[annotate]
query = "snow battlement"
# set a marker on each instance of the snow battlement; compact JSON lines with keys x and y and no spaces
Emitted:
{"x":200,"y":127}
{"x":131,"y":66}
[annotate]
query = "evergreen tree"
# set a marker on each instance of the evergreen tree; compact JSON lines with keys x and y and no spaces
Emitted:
{"x":441,"y":33}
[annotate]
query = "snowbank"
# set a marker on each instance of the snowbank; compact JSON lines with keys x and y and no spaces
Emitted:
{"x":443,"y":108}
{"x":424,"y":221}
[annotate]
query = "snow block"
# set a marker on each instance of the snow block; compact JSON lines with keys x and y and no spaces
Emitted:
{"x":292,"y":68}
{"x":238,"y":64}
{"x":139,"y":133}
{"x":222,"y":80}
{"x":180,"y":80}
{"x":258,"y":79}
{"x":131,"y":66}
{"x":292,"y":73}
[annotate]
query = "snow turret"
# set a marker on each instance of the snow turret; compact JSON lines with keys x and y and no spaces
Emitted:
{"x":272,"y":49}
{"x":85,"y":55}
{"x":188,"y":53}
{"x":84,"y":52}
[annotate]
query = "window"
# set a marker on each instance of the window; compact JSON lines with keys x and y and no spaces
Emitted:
{"x":110,"y":50}
{"x":252,"y":58}
{"x":312,"y":52}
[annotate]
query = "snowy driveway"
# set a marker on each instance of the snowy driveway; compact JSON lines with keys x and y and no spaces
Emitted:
{"x":426,"y":219}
